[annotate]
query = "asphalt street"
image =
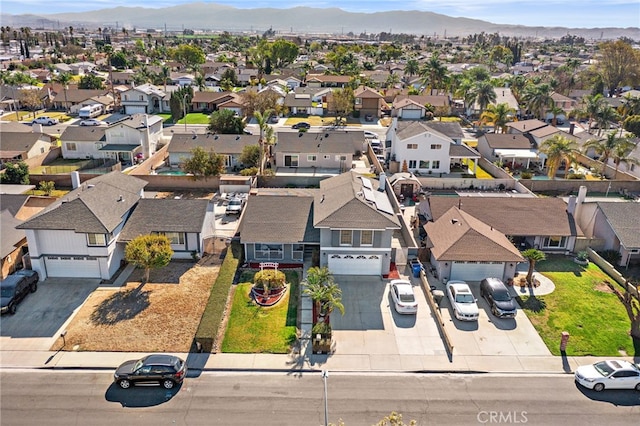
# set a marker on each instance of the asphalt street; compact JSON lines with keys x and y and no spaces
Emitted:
{"x":65,"y":397}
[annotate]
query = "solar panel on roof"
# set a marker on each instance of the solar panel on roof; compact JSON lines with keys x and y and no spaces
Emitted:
{"x":366,"y":183}
{"x":368,"y":194}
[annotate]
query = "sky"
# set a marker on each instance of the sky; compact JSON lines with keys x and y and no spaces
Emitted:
{"x":550,"y":13}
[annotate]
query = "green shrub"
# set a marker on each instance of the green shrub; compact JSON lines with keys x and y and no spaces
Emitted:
{"x":582,"y":256}
{"x":269,"y":279}
{"x":611,"y":256}
{"x":575,"y":176}
{"x":526,"y":175}
{"x":321,"y":328}
{"x":213,"y":312}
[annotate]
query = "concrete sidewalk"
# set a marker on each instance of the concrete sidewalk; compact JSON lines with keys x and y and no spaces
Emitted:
{"x":308,"y":363}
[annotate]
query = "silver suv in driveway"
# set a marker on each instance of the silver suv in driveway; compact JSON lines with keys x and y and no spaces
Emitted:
{"x":235,"y":206}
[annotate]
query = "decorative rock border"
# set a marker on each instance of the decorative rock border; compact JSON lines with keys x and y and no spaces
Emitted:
{"x":274,"y":296}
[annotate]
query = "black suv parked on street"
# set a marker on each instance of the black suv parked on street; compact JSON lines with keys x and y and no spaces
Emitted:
{"x":166,"y":370}
{"x":15,"y":287}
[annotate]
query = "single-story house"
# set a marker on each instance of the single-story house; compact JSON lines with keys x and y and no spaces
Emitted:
{"x":17,"y":146}
{"x":326,"y":150}
{"x":230,"y":146}
{"x":187,"y":223}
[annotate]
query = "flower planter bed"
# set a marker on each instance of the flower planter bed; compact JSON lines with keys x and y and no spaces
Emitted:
{"x":270,"y":299}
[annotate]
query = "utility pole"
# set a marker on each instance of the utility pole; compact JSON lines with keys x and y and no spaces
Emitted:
{"x":325,"y":375}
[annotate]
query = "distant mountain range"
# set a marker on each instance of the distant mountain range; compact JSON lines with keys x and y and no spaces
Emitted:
{"x":208,"y":16}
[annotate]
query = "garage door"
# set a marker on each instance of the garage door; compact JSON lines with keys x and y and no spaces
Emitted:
{"x":411,"y":114}
{"x":131,"y":109}
{"x":81,"y":267}
{"x":476,"y":271}
{"x":352,"y":264}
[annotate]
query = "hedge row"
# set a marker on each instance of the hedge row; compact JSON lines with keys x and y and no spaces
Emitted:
{"x":214,"y":311}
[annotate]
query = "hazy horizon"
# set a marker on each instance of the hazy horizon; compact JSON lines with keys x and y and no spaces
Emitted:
{"x":548,"y":13}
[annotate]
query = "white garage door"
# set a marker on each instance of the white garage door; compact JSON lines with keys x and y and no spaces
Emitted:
{"x":132,"y":109}
{"x":80,"y":267}
{"x":411,"y":114}
{"x":352,"y":264}
{"x":476,"y":271}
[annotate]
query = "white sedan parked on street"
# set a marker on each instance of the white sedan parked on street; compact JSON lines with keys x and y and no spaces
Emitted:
{"x":91,"y":122}
{"x":45,"y":120}
{"x":613,"y":374}
{"x":462,"y":300}
{"x":403,"y":298}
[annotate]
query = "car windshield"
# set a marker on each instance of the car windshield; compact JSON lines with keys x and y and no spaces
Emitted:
{"x":235,"y":203}
{"x":464,"y":298}
{"x":7,"y":292}
{"x":501,"y":296}
{"x":603,"y":368}
{"x":407,"y":298}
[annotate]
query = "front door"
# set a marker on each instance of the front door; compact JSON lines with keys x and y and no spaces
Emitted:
{"x":406,"y":189}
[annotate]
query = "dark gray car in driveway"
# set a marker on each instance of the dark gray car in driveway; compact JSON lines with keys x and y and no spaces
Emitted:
{"x":15,"y":287}
{"x":502,"y":304}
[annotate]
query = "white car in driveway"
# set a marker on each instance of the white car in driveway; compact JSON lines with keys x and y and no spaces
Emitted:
{"x":612,"y":374}
{"x":462,"y":300}
{"x":45,"y":120}
{"x":404,"y":300}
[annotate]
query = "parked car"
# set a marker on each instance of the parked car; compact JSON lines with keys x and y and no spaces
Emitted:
{"x":370,"y":135}
{"x":165,"y":370}
{"x":613,"y":374}
{"x":45,"y":120}
{"x":91,"y":122}
{"x":301,"y":125}
{"x":463,"y":303}
{"x":404,"y":300}
{"x":502,"y":304}
{"x":15,"y":287}
{"x":235,"y":206}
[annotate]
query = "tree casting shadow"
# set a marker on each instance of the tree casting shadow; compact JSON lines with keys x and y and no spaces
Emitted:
{"x":121,"y":306}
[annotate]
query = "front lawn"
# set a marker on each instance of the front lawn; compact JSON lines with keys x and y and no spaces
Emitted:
{"x":596,"y":321}
{"x":195,"y":118}
{"x":255,"y":329}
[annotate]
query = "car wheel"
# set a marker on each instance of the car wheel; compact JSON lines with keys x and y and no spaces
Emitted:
{"x":168,"y":383}
{"x":598,"y":387}
{"x":33,"y":287}
{"x":638,"y":387}
{"x":49,"y":123}
{"x":12,"y":308}
{"x":124,"y":384}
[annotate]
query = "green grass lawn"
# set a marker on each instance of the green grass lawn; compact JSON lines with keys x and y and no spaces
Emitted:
{"x":255,"y":329}
{"x":595,"y":319}
{"x":195,"y":118}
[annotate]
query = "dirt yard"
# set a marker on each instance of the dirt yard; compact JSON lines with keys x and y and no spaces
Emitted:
{"x":161,"y":316}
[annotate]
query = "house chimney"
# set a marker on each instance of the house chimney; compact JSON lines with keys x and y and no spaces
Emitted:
{"x":572,"y":127}
{"x":582,"y":194}
{"x":383,"y":182}
{"x":75,"y":179}
{"x":571,"y":204}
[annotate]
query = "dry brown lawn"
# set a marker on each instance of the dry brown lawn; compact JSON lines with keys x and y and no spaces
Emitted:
{"x":161,"y":316}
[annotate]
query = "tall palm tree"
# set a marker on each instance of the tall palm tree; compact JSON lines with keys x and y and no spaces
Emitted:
{"x":538,"y":98}
{"x":108,"y":50}
{"x":499,"y":115}
{"x":262,"y":118}
{"x":605,"y":116}
{"x":558,"y":149}
{"x":622,"y":153}
{"x":324,"y":292}
{"x":65,"y":78}
{"x":592,"y":106}
{"x":165,"y":73}
{"x":532,"y":255}
{"x":412,"y":68}
{"x":434,"y":73}
{"x":555,"y":111}
{"x":602,"y":147}
{"x":200,"y":82}
{"x":483,"y":94}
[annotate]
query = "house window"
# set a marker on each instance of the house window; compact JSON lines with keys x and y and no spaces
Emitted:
{"x":412,"y":164}
{"x":312,"y":158}
{"x":176,"y":238}
{"x":141,"y":98}
{"x":297,"y":252}
{"x":346,"y":238}
{"x":424,"y":164}
{"x":366,"y":238}
{"x":341,"y":158}
{"x":269,"y":251}
{"x":358,"y":101}
{"x":71,"y":146}
{"x":126,"y":97}
{"x":96,"y":240}
{"x":291,"y":161}
{"x":435,"y":164}
{"x":412,"y":146}
{"x":555,"y":242}
{"x":632,"y":168}
{"x":436,"y":146}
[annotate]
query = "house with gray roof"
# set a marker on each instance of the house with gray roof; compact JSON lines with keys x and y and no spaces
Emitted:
{"x":618,"y":224}
{"x":229,"y":146}
{"x":137,"y":134}
{"x":17,"y":146}
{"x":146,"y":99}
{"x":332,"y":149}
{"x":83,"y":142}
{"x":347,"y":225}
{"x":77,"y":235}
{"x":187,"y":223}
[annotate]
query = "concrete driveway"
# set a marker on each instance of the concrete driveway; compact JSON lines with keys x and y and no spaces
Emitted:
{"x":371,"y":326}
{"x":490,"y":335}
{"x":42,"y":315}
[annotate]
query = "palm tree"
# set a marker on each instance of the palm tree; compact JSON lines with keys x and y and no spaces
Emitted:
{"x":483,"y":94}
{"x":165,"y":73}
{"x":602,"y":147}
{"x":555,"y":111}
{"x":324,"y":292}
{"x":605,"y":116}
{"x":262,"y":118}
{"x":200,"y":82}
{"x":532,"y":255}
{"x":622,"y":153}
{"x":434,"y":73}
{"x":65,"y":78}
{"x":558,"y":149}
{"x":412,"y":68}
{"x":592,"y":106}
{"x":108,"y":50}
{"x":499,"y":115}
{"x":538,"y":98}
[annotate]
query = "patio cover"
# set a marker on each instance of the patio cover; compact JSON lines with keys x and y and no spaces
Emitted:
{"x":112,"y":147}
{"x":512,"y":154}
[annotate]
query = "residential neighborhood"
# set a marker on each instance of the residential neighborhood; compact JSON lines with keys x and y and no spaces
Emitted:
{"x":304,"y":203}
